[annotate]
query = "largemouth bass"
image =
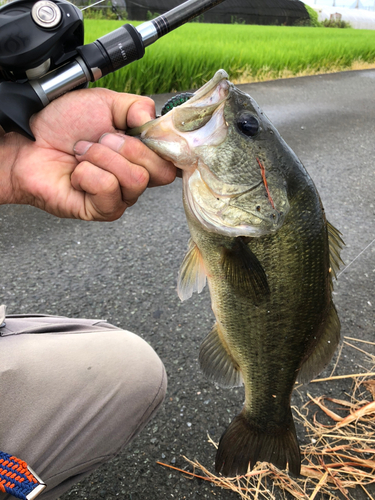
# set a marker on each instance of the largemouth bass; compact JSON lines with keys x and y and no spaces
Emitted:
{"x":260,"y":238}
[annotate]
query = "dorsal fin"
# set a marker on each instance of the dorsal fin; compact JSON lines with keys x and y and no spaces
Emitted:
{"x":324,"y":349}
{"x":336,"y":244}
{"x":192,"y":274}
{"x":244,"y":271}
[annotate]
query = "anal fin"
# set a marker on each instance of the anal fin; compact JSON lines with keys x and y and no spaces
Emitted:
{"x":216,"y":361}
{"x":192,"y":274}
{"x":335,"y":243}
{"x":324,"y":349}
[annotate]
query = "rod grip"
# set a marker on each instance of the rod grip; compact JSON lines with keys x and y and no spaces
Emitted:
{"x":19,"y":102}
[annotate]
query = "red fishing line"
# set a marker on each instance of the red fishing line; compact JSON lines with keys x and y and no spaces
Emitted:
{"x":263,"y":171}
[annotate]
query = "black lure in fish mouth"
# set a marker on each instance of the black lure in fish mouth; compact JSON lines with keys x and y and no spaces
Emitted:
{"x":174,"y":101}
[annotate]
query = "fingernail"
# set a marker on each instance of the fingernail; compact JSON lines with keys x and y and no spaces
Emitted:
{"x":81,"y":147}
{"x":145,"y":117}
{"x":112,"y":141}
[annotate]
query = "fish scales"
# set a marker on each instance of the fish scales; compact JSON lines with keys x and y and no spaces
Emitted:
{"x":260,"y":237}
{"x":274,"y":336}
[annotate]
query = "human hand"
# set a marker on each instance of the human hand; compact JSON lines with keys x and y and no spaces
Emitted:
{"x":67,"y":172}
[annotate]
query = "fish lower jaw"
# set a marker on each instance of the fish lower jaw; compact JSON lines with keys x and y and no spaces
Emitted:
{"x":217,"y":213}
{"x":215,"y":224}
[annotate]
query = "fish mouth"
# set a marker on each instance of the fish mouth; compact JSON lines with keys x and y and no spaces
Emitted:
{"x":199,"y":121}
{"x":212,"y":85}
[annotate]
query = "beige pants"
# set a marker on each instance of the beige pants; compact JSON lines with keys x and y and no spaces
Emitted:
{"x":73,"y":393}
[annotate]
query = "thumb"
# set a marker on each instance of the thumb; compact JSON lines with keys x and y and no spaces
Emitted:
{"x":140,"y":112}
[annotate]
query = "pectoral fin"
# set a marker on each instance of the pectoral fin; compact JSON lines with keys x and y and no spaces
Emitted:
{"x":216,"y":361}
{"x":244,"y":271}
{"x":324,"y":349}
{"x":192,"y":274}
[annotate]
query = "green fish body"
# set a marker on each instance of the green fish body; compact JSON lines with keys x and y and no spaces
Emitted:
{"x":260,"y":238}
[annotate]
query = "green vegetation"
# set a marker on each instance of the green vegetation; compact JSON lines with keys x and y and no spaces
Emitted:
{"x":337,"y":23}
{"x":100,"y":14}
{"x":313,"y":16}
{"x":187,"y":57}
{"x":327,"y":23}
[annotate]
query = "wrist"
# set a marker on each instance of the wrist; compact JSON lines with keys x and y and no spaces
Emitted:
{"x":8,"y":153}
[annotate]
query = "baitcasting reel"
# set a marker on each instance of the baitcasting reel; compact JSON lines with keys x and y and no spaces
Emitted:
{"x":42,"y":55}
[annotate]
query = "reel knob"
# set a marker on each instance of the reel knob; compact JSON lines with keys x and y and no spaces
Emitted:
{"x":46,"y":14}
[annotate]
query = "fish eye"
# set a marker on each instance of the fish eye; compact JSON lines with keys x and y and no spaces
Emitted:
{"x":248,"y":124}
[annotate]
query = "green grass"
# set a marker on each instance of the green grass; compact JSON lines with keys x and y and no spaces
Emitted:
{"x":187,"y":57}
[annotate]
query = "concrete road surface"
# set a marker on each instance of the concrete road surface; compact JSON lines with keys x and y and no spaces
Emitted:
{"x":126,"y":271}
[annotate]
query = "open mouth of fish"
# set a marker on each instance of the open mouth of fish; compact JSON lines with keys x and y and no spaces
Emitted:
{"x":177,"y":137}
{"x":197,"y":122}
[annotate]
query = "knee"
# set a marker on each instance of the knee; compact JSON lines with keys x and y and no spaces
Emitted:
{"x":138,"y":378}
{"x":148,"y":376}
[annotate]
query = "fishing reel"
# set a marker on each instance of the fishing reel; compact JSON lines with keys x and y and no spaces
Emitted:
{"x":42,"y":53}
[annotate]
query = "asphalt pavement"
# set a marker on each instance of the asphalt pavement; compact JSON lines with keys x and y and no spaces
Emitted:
{"x":125,"y":271}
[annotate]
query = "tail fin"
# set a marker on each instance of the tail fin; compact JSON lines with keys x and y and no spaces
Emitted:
{"x":243,"y":444}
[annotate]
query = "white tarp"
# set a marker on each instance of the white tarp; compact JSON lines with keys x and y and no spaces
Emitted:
{"x":358,"y":18}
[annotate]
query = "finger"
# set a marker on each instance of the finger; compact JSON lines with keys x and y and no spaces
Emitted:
{"x":103,"y":197}
{"x":131,"y":111}
{"x":161,"y":172}
{"x":132,"y":178}
{"x":140,"y":112}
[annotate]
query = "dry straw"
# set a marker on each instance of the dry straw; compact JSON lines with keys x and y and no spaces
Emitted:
{"x":339,"y":460}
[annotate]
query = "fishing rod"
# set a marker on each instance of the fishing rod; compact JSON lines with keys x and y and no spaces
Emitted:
{"x":42,"y":53}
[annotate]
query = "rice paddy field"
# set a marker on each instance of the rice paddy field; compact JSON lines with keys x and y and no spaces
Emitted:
{"x":191,"y":54}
